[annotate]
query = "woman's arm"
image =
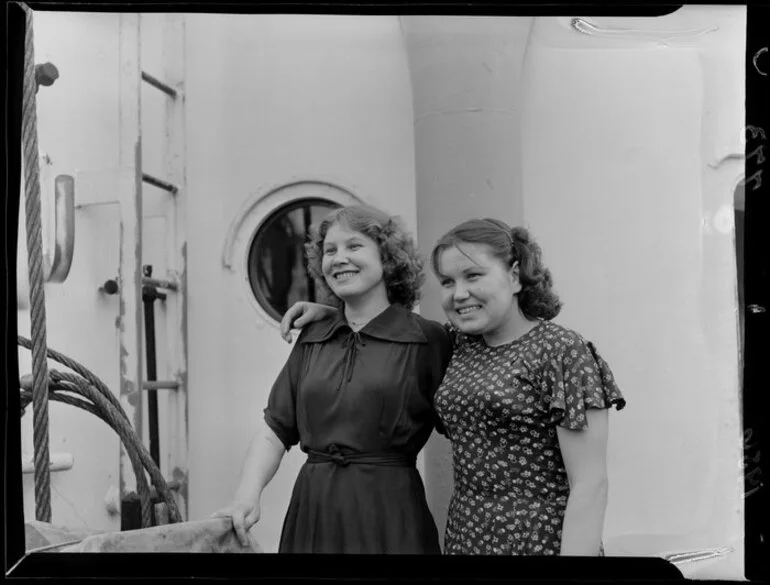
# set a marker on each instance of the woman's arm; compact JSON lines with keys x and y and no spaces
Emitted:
{"x":303,"y":313}
{"x":585,"y":457}
{"x":262,"y":461}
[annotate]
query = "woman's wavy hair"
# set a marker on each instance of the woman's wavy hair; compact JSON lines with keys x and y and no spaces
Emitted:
{"x":536,"y":299}
{"x":402,"y":265}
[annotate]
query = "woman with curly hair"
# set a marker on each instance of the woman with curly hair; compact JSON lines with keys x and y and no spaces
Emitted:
{"x":357,"y":395}
{"x":524,"y":401}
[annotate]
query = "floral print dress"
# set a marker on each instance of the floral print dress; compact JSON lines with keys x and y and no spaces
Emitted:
{"x":500,"y":406}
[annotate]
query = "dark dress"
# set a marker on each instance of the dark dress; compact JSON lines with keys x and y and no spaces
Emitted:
{"x":345,"y":394}
{"x":500,"y":407}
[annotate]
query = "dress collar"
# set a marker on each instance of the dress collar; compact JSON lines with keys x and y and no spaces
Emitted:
{"x":396,"y":324}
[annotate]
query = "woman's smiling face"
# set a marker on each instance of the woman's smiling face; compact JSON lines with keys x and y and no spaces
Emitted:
{"x":478,"y":289}
{"x":351,"y":263}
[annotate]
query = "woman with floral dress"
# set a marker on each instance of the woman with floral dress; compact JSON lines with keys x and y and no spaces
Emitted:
{"x":524,"y":401}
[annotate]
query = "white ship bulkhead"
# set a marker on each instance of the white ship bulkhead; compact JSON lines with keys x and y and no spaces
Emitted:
{"x":622,"y":153}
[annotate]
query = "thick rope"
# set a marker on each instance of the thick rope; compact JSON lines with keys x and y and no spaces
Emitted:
{"x":82,"y":371}
{"x":127,"y":436}
{"x":114,"y":408}
{"x":36,"y":282}
{"x":55,"y":389}
{"x":103,"y":404}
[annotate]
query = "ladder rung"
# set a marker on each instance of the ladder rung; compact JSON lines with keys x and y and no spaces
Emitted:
{"x":171,"y":188}
{"x":160,"y":385}
{"x":159,"y":84}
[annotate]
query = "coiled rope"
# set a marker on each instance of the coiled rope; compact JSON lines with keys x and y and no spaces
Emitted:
{"x":36,"y":280}
{"x":102,"y":403}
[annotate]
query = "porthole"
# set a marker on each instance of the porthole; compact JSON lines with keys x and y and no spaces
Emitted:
{"x":277,"y":267}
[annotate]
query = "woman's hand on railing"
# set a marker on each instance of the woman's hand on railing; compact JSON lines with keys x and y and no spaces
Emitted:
{"x":245,"y":514}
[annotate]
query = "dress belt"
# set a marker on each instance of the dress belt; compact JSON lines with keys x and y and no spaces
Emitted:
{"x":391,"y":459}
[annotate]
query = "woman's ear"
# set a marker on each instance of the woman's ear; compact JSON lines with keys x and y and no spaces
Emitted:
{"x":514,"y":274}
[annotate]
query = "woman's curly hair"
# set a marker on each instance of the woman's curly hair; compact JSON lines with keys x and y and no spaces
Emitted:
{"x":537,"y":300}
{"x":402,"y":265}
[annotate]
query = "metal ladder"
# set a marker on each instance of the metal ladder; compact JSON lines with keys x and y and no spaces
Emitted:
{"x":134,"y":387}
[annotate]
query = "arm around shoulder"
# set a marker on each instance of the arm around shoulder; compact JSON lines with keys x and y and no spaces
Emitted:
{"x":303,"y":313}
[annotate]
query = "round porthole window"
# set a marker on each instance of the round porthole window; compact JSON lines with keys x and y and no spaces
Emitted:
{"x":277,"y":268}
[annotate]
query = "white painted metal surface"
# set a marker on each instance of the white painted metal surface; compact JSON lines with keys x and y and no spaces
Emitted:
{"x":130,"y":199}
{"x":77,"y":127}
{"x":621,"y":153}
{"x":628,"y":150}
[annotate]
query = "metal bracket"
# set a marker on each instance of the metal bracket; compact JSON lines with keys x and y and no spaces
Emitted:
{"x":56,"y":265}
{"x":160,"y":283}
{"x":587,"y":27}
{"x":59,"y":462}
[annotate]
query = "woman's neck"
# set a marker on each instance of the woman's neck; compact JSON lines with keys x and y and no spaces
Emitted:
{"x":514,"y":327}
{"x":359,"y":312}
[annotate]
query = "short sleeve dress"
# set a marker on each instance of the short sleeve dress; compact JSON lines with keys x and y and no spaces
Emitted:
{"x":361,"y":405}
{"x":500,"y":407}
